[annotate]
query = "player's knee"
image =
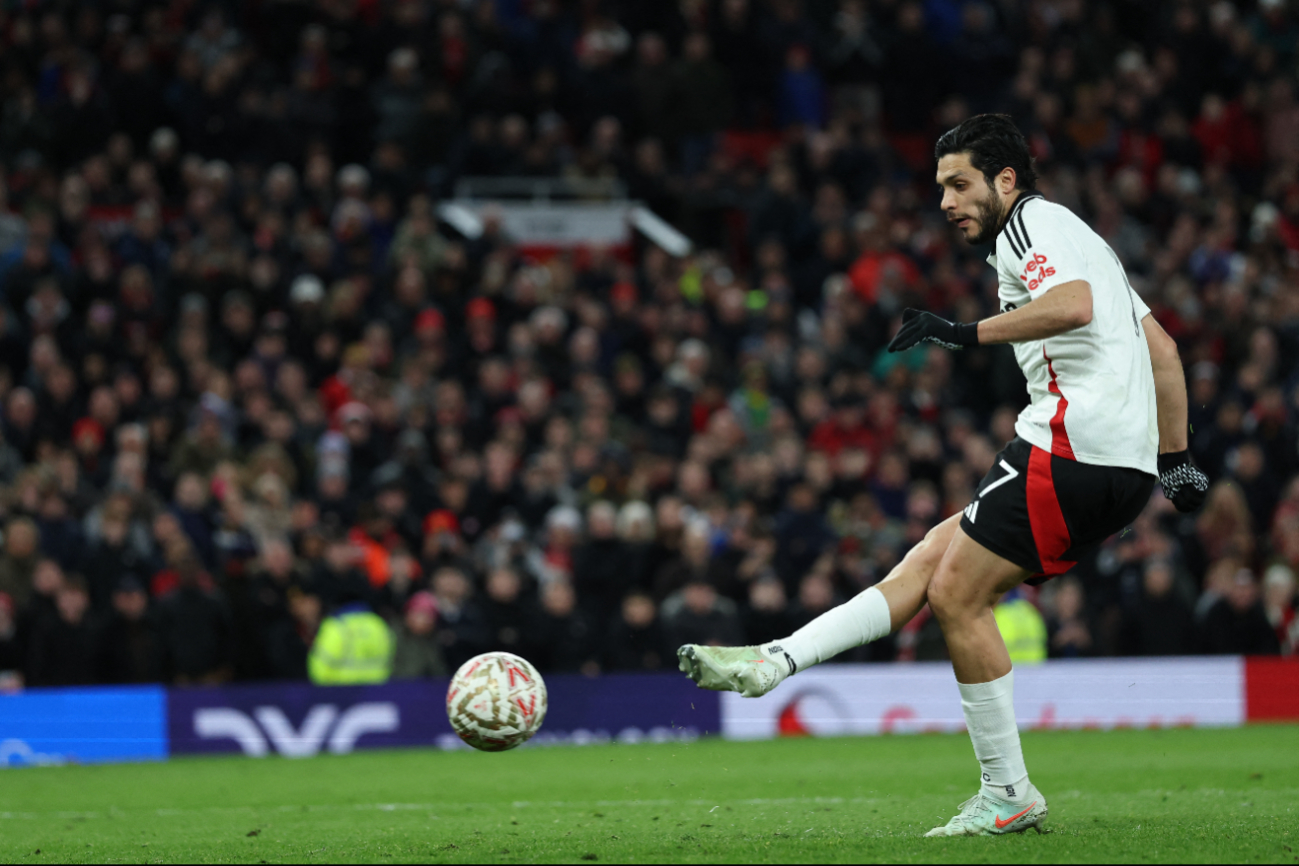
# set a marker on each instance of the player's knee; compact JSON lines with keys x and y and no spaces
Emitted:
{"x":949,"y":597}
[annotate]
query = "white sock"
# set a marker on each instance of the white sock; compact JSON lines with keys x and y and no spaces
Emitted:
{"x":990,"y":718}
{"x":857,"y":621}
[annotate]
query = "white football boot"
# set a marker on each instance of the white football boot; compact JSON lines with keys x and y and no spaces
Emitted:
{"x":750,"y":670}
{"x":984,"y":815}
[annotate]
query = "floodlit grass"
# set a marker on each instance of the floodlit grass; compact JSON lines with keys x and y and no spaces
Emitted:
{"x":1128,"y":796}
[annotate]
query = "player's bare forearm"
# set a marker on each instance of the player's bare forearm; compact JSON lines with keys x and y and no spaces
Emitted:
{"x":1064,"y":308}
{"x":1170,"y":386}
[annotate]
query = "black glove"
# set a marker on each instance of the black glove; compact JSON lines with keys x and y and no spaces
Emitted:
{"x":1183,"y":482}
{"x":919,"y":326}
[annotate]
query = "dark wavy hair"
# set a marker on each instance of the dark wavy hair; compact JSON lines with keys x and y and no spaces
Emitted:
{"x":993,"y":142}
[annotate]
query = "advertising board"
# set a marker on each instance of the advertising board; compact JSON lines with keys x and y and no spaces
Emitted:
{"x":81,"y":726}
{"x":86,"y":725}
{"x":299,"y":720}
{"x":837,"y":700}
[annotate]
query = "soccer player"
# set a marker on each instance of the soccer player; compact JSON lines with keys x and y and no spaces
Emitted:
{"x":1107,"y":415}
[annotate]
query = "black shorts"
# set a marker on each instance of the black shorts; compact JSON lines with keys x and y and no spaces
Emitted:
{"x":1043,"y":512}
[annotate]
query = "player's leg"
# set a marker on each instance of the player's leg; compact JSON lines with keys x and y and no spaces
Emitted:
{"x":868,"y":616}
{"x":968,"y":583}
{"x":906,"y":587}
{"x":879,"y":610}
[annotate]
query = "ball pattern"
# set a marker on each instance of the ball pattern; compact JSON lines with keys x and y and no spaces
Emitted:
{"x":496,"y":701}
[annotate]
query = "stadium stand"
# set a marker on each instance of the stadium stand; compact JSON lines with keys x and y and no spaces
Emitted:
{"x":275,"y":339}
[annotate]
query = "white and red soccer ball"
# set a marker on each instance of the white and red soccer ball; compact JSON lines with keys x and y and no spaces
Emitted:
{"x":496,"y":701}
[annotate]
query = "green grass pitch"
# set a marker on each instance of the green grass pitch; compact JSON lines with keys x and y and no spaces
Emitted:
{"x":1127,"y":796}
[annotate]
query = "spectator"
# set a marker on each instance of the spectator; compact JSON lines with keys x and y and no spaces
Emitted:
{"x":636,"y":530}
{"x":1070,"y":635}
{"x":1237,"y":624}
{"x":697,"y":614}
{"x":11,"y":649}
{"x":601,"y":565}
{"x":337,"y":574}
{"x":635,"y":638}
{"x":191,"y":509}
{"x":801,"y":534}
{"x":18,"y":563}
{"x":417,"y":653}
{"x":653,"y":83}
{"x":464,"y":632}
{"x":115,"y":556}
{"x":289,"y":640}
{"x":397,"y":99}
{"x":510,"y":615}
{"x":816,"y":595}
{"x":692,"y":564}
{"x":13,"y":229}
{"x":132,"y":651}
{"x":766,"y":616}
{"x":1279,"y":603}
{"x":565,"y":635}
{"x":47,"y":581}
{"x":703,"y":99}
{"x":552,"y":560}
{"x":195,"y":629}
{"x":1160,"y":623}
{"x":1223,"y":527}
{"x":65,"y":649}
{"x":802,"y":98}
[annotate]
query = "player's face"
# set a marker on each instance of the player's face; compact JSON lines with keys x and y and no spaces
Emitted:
{"x":968,"y":201}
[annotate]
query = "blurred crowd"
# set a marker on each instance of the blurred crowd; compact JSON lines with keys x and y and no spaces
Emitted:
{"x":250,"y":381}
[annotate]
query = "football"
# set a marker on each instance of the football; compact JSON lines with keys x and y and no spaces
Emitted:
{"x":496,"y":701}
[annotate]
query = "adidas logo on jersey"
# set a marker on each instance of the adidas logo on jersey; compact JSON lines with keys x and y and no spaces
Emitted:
{"x":971,"y":510}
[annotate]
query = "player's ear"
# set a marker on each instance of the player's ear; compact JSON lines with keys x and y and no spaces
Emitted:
{"x":1006,"y":180}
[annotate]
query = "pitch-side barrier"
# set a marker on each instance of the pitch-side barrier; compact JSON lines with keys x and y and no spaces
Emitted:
{"x":90,"y":725}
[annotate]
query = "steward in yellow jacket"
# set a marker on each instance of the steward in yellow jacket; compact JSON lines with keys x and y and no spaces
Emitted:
{"x":353,"y":647}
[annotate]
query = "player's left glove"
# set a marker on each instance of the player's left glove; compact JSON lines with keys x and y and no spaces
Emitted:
{"x":919,"y":326}
{"x":1183,"y":482}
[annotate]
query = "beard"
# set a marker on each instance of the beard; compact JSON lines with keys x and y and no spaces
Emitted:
{"x":989,"y":212}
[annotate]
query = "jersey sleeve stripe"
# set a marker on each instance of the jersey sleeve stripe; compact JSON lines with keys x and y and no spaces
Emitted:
{"x":1019,"y":217}
{"x":1013,"y":237}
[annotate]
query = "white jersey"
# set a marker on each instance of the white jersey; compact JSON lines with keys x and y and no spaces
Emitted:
{"x":1092,"y":388}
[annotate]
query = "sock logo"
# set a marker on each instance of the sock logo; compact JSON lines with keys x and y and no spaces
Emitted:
{"x":1010,"y":791}
{"x":987,"y":778}
{"x":777,"y":649}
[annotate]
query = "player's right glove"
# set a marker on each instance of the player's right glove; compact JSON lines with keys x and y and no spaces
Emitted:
{"x":919,"y":326}
{"x":1183,"y":482}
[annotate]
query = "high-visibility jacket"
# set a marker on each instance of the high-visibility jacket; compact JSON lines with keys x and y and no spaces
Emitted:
{"x":353,"y":647}
{"x":1023,"y":631}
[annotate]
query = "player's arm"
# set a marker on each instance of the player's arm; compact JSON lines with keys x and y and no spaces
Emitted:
{"x":1170,"y":386}
{"x":1064,"y":308}
{"x":1183,"y":482}
{"x":1052,"y":272}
